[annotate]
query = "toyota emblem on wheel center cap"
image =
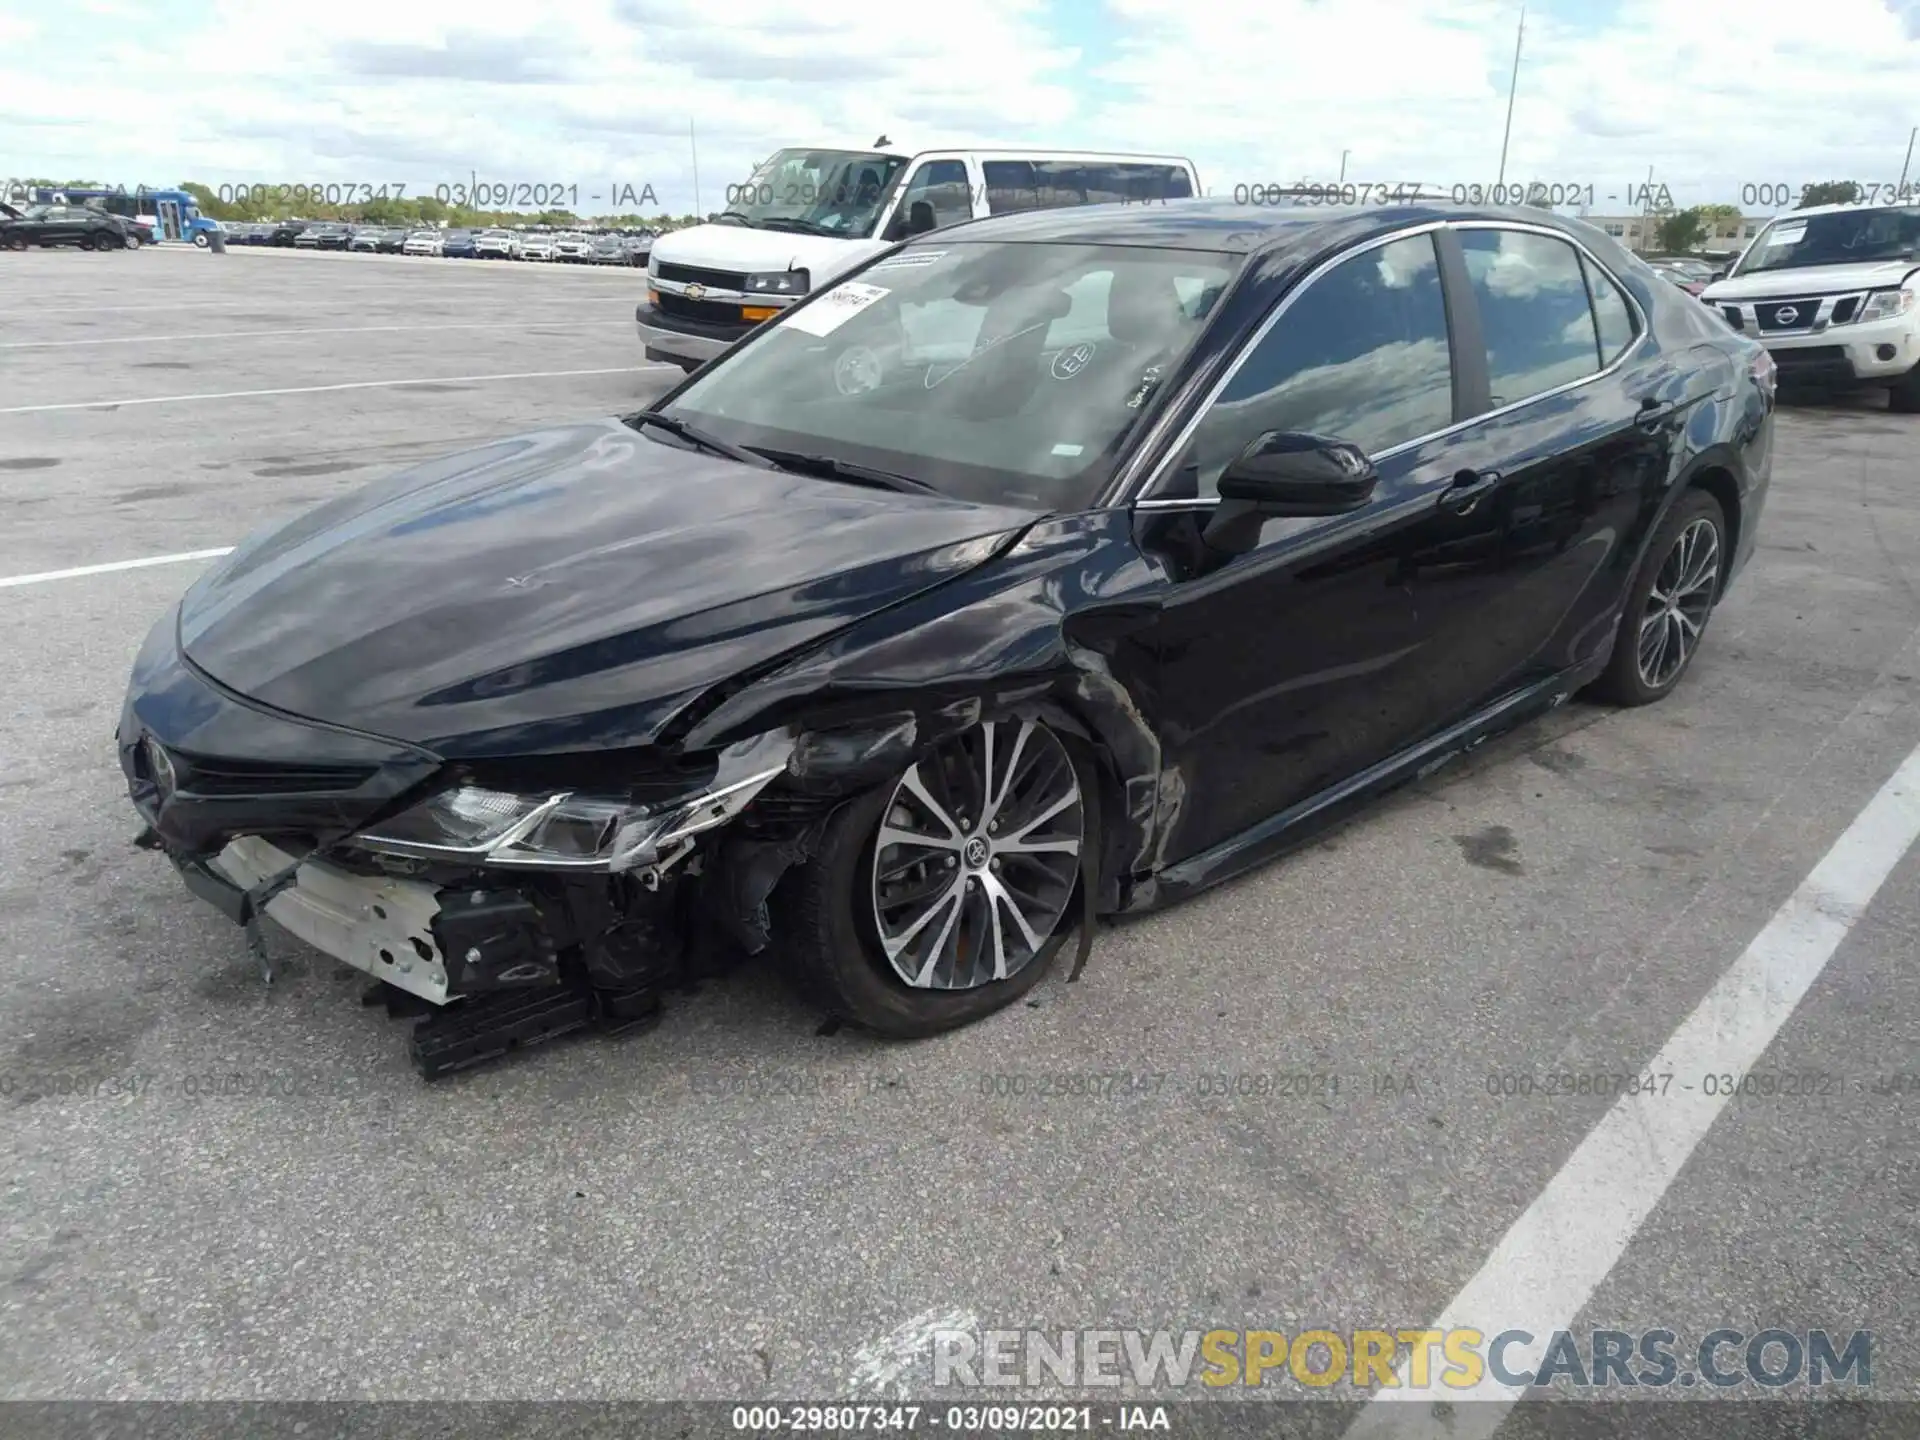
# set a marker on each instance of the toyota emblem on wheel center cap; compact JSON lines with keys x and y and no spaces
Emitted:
{"x":975,"y":852}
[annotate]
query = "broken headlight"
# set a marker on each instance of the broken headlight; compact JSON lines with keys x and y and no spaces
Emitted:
{"x":498,"y":827}
{"x":575,"y":831}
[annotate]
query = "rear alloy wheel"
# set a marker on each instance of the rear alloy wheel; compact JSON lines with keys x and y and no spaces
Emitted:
{"x":944,"y":895}
{"x":1669,"y":604}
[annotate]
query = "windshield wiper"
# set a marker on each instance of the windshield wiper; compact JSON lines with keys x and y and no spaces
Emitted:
{"x":678,"y":427}
{"x":830,"y":468}
{"x":740,"y":215}
{"x":788,"y":222}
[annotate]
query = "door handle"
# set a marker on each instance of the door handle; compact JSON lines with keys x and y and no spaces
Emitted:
{"x":1654,"y":417}
{"x":1467,"y":489}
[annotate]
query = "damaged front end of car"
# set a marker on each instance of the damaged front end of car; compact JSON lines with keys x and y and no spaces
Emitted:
{"x":496,"y":903}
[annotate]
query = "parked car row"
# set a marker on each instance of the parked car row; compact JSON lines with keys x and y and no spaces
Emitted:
{"x":1691,"y":275}
{"x":577,"y":247}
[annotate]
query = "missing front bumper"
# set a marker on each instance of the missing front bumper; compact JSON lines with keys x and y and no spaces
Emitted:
{"x":383,"y":926}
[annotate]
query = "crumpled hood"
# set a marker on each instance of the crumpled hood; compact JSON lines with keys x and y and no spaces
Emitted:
{"x":1812,"y":280}
{"x":569,"y":589}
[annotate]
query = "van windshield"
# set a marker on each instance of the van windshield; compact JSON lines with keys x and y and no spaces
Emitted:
{"x":815,"y":192}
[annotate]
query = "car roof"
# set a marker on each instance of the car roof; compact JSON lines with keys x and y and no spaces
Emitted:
{"x":1237,"y":226}
{"x":1842,"y":209}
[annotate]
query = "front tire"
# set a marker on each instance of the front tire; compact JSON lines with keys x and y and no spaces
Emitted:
{"x":1669,"y":603}
{"x":1904,"y":396}
{"x":947,"y":893}
{"x":202,"y":239}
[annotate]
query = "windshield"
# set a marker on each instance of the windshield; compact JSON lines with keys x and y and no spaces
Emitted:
{"x":1847,"y":237}
{"x":1004,"y":373}
{"x":819,"y":192}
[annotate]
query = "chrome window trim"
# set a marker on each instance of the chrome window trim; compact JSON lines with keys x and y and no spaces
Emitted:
{"x":1131,"y":492}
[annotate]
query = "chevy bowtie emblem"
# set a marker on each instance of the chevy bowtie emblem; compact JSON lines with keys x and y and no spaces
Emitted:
{"x":696,"y":292}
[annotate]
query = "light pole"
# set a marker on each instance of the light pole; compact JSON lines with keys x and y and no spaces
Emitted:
{"x":1343,"y":166}
{"x":1513,"y":85}
{"x":693,"y":148}
{"x":1901,"y":193}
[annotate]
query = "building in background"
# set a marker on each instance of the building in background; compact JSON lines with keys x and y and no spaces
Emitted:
{"x":1641,"y":233}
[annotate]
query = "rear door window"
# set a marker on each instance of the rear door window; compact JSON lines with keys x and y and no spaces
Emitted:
{"x":1534,"y":311}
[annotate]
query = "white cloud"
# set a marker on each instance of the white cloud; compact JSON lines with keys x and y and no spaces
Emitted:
{"x":1714,"y":95}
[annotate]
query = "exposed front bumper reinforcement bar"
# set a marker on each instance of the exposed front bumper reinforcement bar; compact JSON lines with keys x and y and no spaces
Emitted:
{"x":382,"y":926}
{"x":390,"y":929}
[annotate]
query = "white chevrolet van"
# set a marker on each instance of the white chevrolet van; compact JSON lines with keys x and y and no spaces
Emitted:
{"x":1833,"y":292}
{"x":807,"y":216}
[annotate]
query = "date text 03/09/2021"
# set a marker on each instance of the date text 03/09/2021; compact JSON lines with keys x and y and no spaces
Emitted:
{"x":473,"y":192}
{"x":855,"y":1418}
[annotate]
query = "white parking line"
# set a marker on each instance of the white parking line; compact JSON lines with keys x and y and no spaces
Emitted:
{"x":295,"y":331}
{"x":1547,"y":1266}
{"x":318,"y":389}
{"x":79,"y":570}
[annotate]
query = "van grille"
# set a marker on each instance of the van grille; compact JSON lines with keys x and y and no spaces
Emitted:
{"x":696,"y":275}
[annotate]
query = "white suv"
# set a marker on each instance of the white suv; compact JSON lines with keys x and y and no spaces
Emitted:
{"x":1833,"y":292}
{"x":498,"y":244}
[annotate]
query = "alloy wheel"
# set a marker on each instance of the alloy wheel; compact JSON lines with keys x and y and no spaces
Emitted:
{"x":976,"y":856}
{"x":1679,"y":603}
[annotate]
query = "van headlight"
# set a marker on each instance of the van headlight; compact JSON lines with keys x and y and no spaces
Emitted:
{"x":780,"y":282}
{"x":1885,"y":304}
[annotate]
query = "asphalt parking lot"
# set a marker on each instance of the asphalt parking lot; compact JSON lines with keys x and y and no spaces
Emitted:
{"x":734,"y":1206}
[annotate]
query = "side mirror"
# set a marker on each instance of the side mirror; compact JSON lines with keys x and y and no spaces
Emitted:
{"x":1285,"y":473}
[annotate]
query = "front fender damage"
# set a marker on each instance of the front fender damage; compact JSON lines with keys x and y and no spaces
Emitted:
{"x":1015,"y":643}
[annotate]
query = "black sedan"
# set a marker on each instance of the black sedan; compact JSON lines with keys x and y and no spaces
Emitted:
{"x":326,"y":235}
{"x":1053,"y":566}
{"x":77,"y":225}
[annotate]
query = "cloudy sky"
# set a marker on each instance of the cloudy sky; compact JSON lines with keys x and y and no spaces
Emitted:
{"x":1713,"y":95}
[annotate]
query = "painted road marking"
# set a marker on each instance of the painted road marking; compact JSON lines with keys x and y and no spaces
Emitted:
{"x":318,"y":389}
{"x":112,"y":565}
{"x":330,"y":330}
{"x":1547,"y":1266}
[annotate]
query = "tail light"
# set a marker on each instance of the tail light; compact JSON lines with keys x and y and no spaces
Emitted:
{"x":1765,"y":373}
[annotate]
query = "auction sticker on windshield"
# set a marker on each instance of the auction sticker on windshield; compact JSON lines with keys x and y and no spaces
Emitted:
{"x":909,"y":259}
{"x":836,"y":307}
